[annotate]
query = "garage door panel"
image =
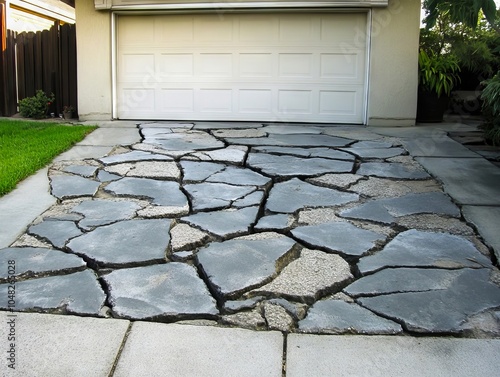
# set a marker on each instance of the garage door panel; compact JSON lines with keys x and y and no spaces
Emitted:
{"x":254,"y":67}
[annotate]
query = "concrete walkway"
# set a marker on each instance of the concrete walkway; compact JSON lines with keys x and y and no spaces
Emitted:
{"x":299,"y":230}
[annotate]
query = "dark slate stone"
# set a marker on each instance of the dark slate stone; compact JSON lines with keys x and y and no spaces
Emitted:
{"x":166,"y":290}
{"x":234,"y":306}
{"x":391,"y":170}
{"x":373,"y":210}
{"x":236,"y":266}
{"x":102,"y":212}
{"x":55,"y":231}
{"x":301,"y":140}
{"x":133,"y":156}
{"x":289,"y":196}
{"x":225,"y":223}
{"x":36,"y":260}
{"x":163,"y":193}
{"x":72,"y":186}
{"x":78,"y":293}
{"x":385,"y":210}
{"x":340,"y":237}
{"x":415,"y":248}
{"x":239,"y":176}
{"x":439,"y":311}
{"x":294,"y":166}
{"x":395,"y":280}
{"x":340,"y":317}
{"x":86,"y":171}
{"x":199,"y":171}
{"x":185,"y":141}
{"x":375,"y":152}
{"x":373,"y":144}
{"x":215,"y":195}
{"x":306,"y":152}
{"x":125,"y":243}
{"x":253,"y":199}
{"x":279,"y":221}
{"x":104,"y":176}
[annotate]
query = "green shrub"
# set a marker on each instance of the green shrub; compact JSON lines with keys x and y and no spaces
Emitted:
{"x":36,"y":106}
{"x":491,"y":109}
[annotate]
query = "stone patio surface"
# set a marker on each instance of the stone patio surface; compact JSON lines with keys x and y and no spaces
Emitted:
{"x":290,"y":228}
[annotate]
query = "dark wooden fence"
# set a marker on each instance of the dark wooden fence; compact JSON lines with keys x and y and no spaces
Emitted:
{"x":46,"y":60}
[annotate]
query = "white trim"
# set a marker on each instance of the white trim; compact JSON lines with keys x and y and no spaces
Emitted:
{"x":113,"y":66}
{"x":250,"y":5}
{"x":57,"y":10}
{"x":369,"y":20}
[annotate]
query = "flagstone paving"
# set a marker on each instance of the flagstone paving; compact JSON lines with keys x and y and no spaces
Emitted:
{"x":295,"y":228}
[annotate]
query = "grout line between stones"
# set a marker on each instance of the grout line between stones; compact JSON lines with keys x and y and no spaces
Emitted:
{"x":120,"y":350}
{"x":283,"y":362}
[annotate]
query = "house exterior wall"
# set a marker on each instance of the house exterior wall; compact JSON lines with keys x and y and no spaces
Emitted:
{"x":393,"y":77}
{"x":93,"y":39}
{"x":392,"y":99}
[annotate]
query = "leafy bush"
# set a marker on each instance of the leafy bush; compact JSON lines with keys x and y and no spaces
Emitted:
{"x":36,"y":106}
{"x":491,"y":109}
{"x":438,"y":73}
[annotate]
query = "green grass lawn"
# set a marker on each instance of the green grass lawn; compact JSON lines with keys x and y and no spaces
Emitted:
{"x":28,"y":146}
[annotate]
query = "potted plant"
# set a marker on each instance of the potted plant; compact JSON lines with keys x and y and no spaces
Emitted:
{"x":68,"y":112}
{"x":437,"y":76}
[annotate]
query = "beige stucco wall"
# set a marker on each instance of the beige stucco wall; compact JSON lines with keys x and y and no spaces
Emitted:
{"x":394,"y":64}
{"x":93,"y":38}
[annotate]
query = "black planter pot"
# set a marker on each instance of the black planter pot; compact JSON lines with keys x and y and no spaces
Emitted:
{"x":430,"y":107}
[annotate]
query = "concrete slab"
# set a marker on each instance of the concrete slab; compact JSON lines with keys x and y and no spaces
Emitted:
{"x":60,"y":346}
{"x":112,"y":137}
{"x":155,"y":349}
{"x":487,"y":221}
{"x":437,"y":147}
{"x":21,"y":206}
{"x":81,"y":152}
{"x":472,"y":181}
{"x":312,"y":355}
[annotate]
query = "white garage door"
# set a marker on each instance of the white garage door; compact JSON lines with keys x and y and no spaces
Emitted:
{"x":306,"y":67}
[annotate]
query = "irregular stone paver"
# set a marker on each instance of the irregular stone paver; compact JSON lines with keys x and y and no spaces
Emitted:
{"x":439,"y":311}
{"x":199,"y":171}
{"x":239,"y":177}
{"x":125,"y":243}
{"x":277,"y":222}
{"x":386,"y":210}
{"x":185,"y":141}
{"x":248,"y":132}
{"x":185,"y":237}
{"x":102,"y":212}
{"x":86,"y":171}
{"x":372,"y":153}
{"x":308,"y":277}
{"x":289,"y":129}
{"x":72,"y":186}
{"x":149,"y":169}
{"x":104,"y":176}
{"x":249,"y":303}
{"x":289,"y":196}
{"x":78,"y":293}
{"x":236,"y":266}
{"x":36,"y":260}
{"x":164,"y":193}
{"x":392,"y":170}
{"x":225,"y":125}
{"x":336,"y":180}
{"x":252,"y":199}
{"x":340,"y":317}
{"x":225,"y":223}
{"x":394,"y":280}
{"x":56,"y":232}
{"x":215,"y":195}
{"x":414,"y":248}
{"x":234,"y":154}
{"x":340,"y":237}
{"x":306,"y":152}
{"x":296,"y":166}
{"x":300,"y":140}
{"x":166,"y":290}
{"x":133,"y":156}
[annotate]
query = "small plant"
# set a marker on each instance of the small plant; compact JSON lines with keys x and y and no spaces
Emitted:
{"x":36,"y":106}
{"x":68,"y":109}
{"x":438,"y":73}
{"x":491,"y":109}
